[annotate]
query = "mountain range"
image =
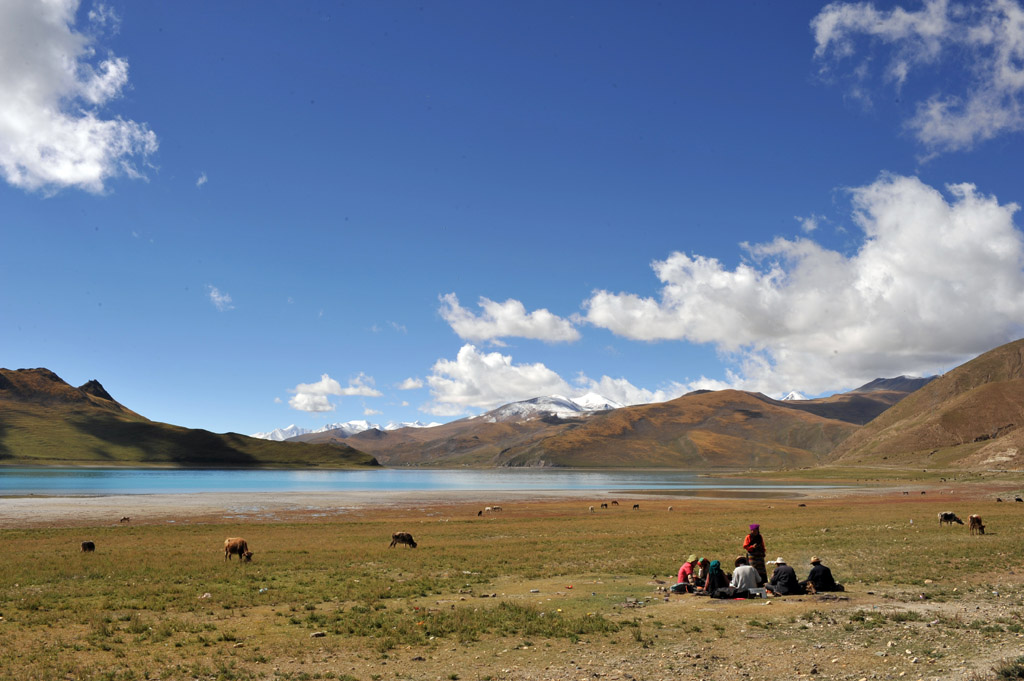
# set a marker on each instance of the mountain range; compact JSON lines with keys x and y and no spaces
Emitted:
{"x":970,"y":417}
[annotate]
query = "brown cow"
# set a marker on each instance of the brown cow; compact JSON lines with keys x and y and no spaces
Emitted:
{"x":974,"y":524}
{"x":237,"y":546}
{"x":402,"y":538}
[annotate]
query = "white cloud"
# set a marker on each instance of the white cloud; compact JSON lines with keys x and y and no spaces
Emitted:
{"x":624,"y":392}
{"x":487,"y":380}
{"x":315,"y":397}
{"x":202,"y":180}
{"x":934,"y":282}
{"x":221,"y":301}
{"x":371,"y":412}
{"x":809,"y":224}
{"x":476,"y":380}
{"x":985,"y":38}
{"x":503,"y":320}
{"x":52,"y":84}
{"x":361,"y":385}
{"x":411,"y":384}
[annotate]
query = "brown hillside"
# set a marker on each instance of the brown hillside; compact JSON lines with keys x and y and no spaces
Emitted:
{"x":724,"y":429}
{"x":45,"y":388}
{"x":969,"y":417}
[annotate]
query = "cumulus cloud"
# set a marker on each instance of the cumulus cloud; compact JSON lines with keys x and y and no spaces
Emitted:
{"x":487,"y":380}
{"x":624,"y":392}
{"x":499,"y":320}
{"x":53,"y":81}
{"x":479,"y":380}
{"x":315,"y":397}
{"x":411,"y":384}
{"x":984,"y":39}
{"x":935,"y":281}
{"x":221,"y":300}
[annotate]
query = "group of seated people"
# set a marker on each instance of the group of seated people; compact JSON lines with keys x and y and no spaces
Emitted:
{"x":703,"y":577}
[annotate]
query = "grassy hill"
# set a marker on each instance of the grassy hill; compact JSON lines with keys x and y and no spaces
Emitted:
{"x":45,"y":421}
{"x":970,"y":417}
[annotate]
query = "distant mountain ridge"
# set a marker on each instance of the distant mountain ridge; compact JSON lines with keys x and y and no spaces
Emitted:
{"x":348,"y":428}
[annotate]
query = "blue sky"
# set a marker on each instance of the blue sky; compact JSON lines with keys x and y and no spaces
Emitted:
{"x":417,"y":211}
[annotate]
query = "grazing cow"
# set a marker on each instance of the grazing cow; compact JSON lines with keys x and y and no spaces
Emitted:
{"x":949,"y":518}
{"x":999,"y":500}
{"x":604,"y":505}
{"x":1018,"y":499}
{"x":495,"y":508}
{"x":636,"y":507}
{"x":615,"y":503}
{"x":402,"y":538}
{"x":125,"y":519}
{"x":237,"y":546}
{"x":488,"y":509}
{"x":479,"y":513}
{"x":592,"y":509}
{"x":802,"y":505}
{"x":88,"y":546}
{"x":906,"y":493}
{"x":974,"y":524}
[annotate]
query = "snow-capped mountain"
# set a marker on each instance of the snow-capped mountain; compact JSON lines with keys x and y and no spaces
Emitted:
{"x":347,"y":429}
{"x":552,"y":405}
{"x":793,"y":396}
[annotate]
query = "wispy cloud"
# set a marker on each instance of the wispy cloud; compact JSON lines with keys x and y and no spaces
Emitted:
{"x":52,"y":87}
{"x":796,"y":315}
{"x":979,"y":45}
{"x":202,"y":180}
{"x":220,"y":299}
{"x":503,"y":320}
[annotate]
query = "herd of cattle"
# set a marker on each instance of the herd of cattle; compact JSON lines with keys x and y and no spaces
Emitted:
{"x":237,"y":546}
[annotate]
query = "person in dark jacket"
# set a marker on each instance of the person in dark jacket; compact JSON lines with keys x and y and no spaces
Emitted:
{"x":784,"y":581}
{"x":820,"y":578}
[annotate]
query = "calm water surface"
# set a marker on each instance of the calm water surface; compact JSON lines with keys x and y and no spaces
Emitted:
{"x":100,"y":481}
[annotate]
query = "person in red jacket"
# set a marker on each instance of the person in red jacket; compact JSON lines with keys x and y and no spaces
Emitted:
{"x":754,"y":546}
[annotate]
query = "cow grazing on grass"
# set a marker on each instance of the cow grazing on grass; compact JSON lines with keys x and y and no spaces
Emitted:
{"x":1018,"y":499}
{"x":949,"y":518}
{"x":88,"y":547}
{"x":999,"y":500}
{"x":495,"y":508}
{"x":125,"y":519}
{"x":615,"y":503}
{"x":402,"y":538}
{"x":592,"y":509}
{"x":237,"y":546}
{"x":604,"y":505}
{"x":636,"y":507}
{"x":974,"y":524}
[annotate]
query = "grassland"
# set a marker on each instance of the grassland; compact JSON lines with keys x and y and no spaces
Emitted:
{"x":542,"y":590}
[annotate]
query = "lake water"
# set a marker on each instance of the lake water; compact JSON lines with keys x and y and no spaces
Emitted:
{"x":104,"y":481}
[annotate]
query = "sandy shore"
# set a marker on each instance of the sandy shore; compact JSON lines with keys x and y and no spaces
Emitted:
{"x":71,"y":511}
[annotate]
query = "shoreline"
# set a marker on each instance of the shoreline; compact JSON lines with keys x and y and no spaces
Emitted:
{"x":32,"y":511}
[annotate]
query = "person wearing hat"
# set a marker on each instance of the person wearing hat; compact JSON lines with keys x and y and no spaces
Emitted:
{"x":820,"y":578}
{"x":784,"y":581}
{"x":686,"y":571}
{"x":753,"y":544}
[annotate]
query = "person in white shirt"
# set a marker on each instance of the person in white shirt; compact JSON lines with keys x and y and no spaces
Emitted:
{"x":744,"y":576}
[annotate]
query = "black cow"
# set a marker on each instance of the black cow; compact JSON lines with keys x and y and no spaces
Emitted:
{"x":402,"y":538}
{"x":949,"y":517}
{"x":88,"y":546}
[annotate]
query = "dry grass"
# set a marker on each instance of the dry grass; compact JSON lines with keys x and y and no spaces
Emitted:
{"x":541,"y":590}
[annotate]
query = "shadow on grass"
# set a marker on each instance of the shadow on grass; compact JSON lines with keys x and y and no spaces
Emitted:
{"x":160,"y":443}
